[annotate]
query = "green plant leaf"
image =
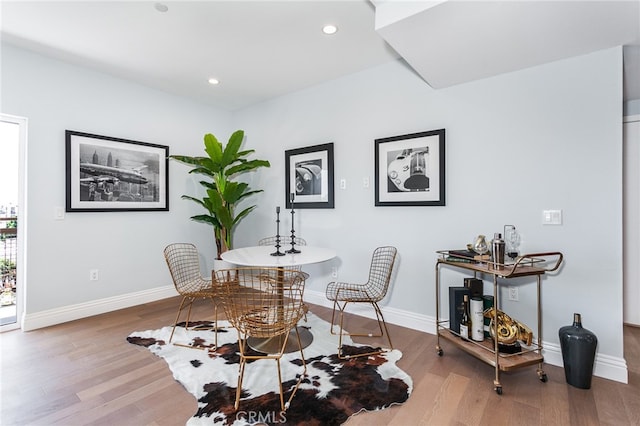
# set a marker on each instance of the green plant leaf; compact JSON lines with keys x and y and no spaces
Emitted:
{"x":247,"y":166}
{"x":205,"y":218}
{"x":243,"y":213}
{"x":194,"y":199}
{"x":214,"y":149}
{"x":230,"y":154}
{"x":234,"y":191}
{"x":208,"y":185}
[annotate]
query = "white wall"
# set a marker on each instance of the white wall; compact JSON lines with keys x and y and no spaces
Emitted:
{"x":631,"y":215}
{"x":548,"y":137}
{"x":125,"y":247}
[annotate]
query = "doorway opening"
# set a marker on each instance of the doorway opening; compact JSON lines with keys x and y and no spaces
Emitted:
{"x":12,"y":146}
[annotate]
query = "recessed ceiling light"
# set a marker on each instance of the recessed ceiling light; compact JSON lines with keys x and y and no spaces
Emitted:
{"x":329,"y":29}
{"x":161,"y":7}
{"x":214,"y":81}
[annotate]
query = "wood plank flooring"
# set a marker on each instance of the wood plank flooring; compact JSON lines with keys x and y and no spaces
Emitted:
{"x":85,"y":373}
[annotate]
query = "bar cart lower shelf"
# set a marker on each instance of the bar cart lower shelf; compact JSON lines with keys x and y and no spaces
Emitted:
{"x":484,"y":352}
{"x":534,"y":265}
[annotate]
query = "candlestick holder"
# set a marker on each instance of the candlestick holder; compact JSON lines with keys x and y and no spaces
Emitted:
{"x":293,"y":231}
{"x":277,"y":252}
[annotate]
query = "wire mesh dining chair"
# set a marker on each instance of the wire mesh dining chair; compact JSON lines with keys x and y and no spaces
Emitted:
{"x":285,"y":242}
{"x":262,"y":308}
{"x":184,"y":265}
{"x":373,"y":291}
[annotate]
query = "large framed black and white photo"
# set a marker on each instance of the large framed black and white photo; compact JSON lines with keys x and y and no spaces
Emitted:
{"x":110,"y":174}
{"x":410,"y":169}
{"x":309,"y":177}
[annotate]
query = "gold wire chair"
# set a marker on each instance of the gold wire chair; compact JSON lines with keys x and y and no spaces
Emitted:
{"x":184,"y":266}
{"x":285,"y":244}
{"x":284,"y":241}
{"x":263,"y":309}
{"x":372,"y":292}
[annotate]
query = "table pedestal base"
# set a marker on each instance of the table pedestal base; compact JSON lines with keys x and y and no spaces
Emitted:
{"x":273,"y":344}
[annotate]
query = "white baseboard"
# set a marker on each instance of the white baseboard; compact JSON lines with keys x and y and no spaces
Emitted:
{"x":399,"y":317}
{"x":83,"y":310}
{"x":605,"y":366}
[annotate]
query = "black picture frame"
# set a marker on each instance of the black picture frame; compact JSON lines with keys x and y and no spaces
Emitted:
{"x":410,"y":169}
{"x":309,"y":175}
{"x":106,"y":174}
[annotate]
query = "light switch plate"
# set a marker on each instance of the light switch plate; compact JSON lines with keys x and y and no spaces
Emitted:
{"x":552,"y":217}
{"x":58,"y":213}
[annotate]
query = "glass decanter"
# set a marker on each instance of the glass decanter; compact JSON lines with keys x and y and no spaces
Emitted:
{"x":512,"y":241}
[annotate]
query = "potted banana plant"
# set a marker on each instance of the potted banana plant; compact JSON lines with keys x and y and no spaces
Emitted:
{"x":221,"y":165}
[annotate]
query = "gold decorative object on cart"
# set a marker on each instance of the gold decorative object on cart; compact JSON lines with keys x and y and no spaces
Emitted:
{"x":507,"y":329}
{"x":527,"y":265}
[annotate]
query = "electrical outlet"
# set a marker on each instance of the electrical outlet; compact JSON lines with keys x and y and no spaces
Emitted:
{"x":93,"y":275}
{"x":343,"y":184}
{"x":334,"y":272}
{"x":513,"y":293}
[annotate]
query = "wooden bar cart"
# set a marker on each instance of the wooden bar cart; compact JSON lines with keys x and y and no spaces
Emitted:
{"x":528,"y":265}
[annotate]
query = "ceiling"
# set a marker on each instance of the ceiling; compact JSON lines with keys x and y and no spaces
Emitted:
{"x":259,"y":50}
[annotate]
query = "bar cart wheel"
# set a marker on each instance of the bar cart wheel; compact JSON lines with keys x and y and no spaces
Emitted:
{"x":542,"y":376}
{"x":499,"y":390}
{"x":439,"y":351}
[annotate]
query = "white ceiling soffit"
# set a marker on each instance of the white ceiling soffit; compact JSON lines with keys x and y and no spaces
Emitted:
{"x":452,"y":42}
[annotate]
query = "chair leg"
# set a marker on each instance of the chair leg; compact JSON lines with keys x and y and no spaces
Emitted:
{"x":384,"y":323}
{"x":300,"y":379}
{"x":242,"y":346}
{"x":341,"y":331}
{"x":243,"y":362}
{"x":186,"y":323}
{"x":381,"y":324}
{"x":215,"y":323}
{"x":333,"y":315}
{"x":342,"y":308}
{"x":175,"y":323}
{"x":280,"y":385}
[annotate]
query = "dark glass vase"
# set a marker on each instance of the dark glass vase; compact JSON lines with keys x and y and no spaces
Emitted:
{"x":578,"y":353}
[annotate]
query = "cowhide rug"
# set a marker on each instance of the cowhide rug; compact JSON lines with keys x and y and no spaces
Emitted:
{"x":333,"y":390}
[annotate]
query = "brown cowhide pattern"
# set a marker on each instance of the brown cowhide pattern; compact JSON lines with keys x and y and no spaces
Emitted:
{"x":332,"y":390}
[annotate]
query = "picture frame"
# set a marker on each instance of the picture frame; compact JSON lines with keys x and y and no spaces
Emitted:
{"x":410,"y":169}
{"x":309,"y":177}
{"x":106,"y":174}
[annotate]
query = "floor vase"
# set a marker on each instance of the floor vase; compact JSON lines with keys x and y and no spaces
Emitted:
{"x":578,"y":353}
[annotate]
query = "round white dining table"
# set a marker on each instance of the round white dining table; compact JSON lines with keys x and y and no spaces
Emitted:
{"x":261,"y":256}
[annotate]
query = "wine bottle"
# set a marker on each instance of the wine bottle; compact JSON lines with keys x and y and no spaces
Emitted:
{"x":465,"y":320}
{"x":476,"y":331}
